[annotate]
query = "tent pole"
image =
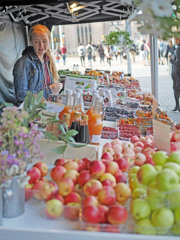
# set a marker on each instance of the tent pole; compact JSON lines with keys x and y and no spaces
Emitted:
{"x":27,"y":39}
{"x":128,"y":29}
{"x":154,"y":65}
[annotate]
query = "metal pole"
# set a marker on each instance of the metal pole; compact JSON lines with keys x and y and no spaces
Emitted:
{"x":128,"y":29}
{"x":154,"y":65}
{"x":60,"y":35}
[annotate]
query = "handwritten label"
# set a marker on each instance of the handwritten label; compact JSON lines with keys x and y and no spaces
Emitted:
{"x":84,"y":83}
{"x":161,"y":134}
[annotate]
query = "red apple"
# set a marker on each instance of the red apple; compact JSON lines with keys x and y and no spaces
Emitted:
{"x":108,"y":182}
{"x":130,"y":159}
{"x":122,"y":191}
{"x":117,"y":148}
{"x":81,"y":164}
{"x":109,"y":176}
{"x":139,"y":159}
{"x":134,"y":139}
{"x":117,"y":156}
{"x":112,"y":167}
{"x":53,"y":208}
{"x":107,"y":145}
{"x":127,"y":150}
{"x":128,"y":145}
{"x":96,"y":169}
{"x":48,"y":190}
{"x":116,"y":141}
{"x":107,"y":156}
{"x":117,"y":214}
{"x":58,"y":197}
{"x":107,"y":195}
{"x":43,"y":168}
{"x":120,"y":177}
{"x":90,"y":201}
{"x":175,"y":146}
{"x":37,"y":189}
{"x":175,"y":136}
{"x":28,"y":191}
{"x":103,"y":209}
{"x":71,"y":165}
{"x":71,"y":211}
{"x":137,"y":149}
{"x":72,"y":174}
{"x":138,"y":144}
{"x":34,"y":174}
{"x":72,"y":197}
{"x":87,"y":162}
{"x":65,"y":186}
{"x":109,"y":150}
{"x":84,"y":177}
{"x":60,"y":162}
{"x":123,"y":164}
{"x":91,"y":214}
{"x":92,"y":187}
{"x":148,"y":152}
{"x":57,"y":173}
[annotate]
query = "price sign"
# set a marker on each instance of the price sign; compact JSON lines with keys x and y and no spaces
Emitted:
{"x":84,"y":83}
{"x":161,"y":134}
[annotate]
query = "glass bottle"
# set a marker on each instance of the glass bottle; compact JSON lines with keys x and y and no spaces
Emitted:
{"x":67,"y":107}
{"x":76,"y":123}
{"x":90,"y":110}
{"x":66,"y":119}
{"x":95,"y":123}
{"x":83,"y":135}
{"x":79,"y":90}
{"x":76,"y":106}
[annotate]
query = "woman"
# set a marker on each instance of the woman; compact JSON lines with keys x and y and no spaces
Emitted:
{"x":35,"y":70}
{"x":169,"y":52}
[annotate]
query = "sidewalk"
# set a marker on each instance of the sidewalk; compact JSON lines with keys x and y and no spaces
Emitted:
{"x":140,"y":72}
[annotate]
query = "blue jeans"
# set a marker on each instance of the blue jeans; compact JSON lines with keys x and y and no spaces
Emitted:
{"x":64,"y":59}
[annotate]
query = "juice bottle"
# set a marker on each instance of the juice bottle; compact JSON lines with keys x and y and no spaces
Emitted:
{"x":67,"y":107}
{"x":83,"y":135}
{"x":76,"y":106}
{"x":81,"y":105}
{"x":76,"y":122}
{"x":90,"y":110}
{"x":66,"y":119}
{"x":95,"y":123}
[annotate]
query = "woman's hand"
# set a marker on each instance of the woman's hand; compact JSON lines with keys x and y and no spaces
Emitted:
{"x":56,"y":87}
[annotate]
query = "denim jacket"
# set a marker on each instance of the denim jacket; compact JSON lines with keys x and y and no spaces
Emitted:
{"x":28,"y":76}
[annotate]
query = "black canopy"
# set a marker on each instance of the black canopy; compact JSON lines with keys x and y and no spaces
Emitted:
{"x":58,"y":12}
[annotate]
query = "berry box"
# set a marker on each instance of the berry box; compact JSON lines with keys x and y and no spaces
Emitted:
{"x":110,"y":133}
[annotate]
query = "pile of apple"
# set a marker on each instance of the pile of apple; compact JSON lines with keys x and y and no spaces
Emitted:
{"x":156,"y":195}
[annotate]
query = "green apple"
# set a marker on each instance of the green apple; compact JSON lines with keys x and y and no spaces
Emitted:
{"x":155,"y":203}
{"x":134,"y":183}
{"x":173,"y":166}
{"x":167,"y":180}
{"x":173,"y":198}
{"x":160,"y":158}
{"x":139,"y":193}
{"x":133,"y":170}
{"x":163,"y":218}
{"x":176,"y":230}
{"x":145,"y":226}
{"x":177,"y":216}
{"x":140,"y":209}
{"x":174,"y":157}
{"x":158,"y":168}
{"x":146,"y":174}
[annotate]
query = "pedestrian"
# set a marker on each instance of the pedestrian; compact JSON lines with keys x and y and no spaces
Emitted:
{"x":36,"y":69}
{"x":169,"y":52}
{"x":89,"y":51}
{"x":101,"y":53}
{"x":109,"y":54}
{"x":94,"y":51}
{"x":63,"y":53}
{"x":82,"y":53}
{"x":121,"y":52}
{"x":115,"y":50}
{"x":175,"y":61}
{"x":161,"y":51}
{"x":142,"y":53}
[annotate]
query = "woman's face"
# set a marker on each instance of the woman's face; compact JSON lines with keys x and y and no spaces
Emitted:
{"x":40,"y":43}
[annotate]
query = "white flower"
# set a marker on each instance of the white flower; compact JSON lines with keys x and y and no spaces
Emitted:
{"x":14,"y":170}
{"x":161,"y":8}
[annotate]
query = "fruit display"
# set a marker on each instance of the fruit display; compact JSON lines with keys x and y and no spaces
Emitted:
{"x":109,"y":133}
{"x":156,"y":193}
